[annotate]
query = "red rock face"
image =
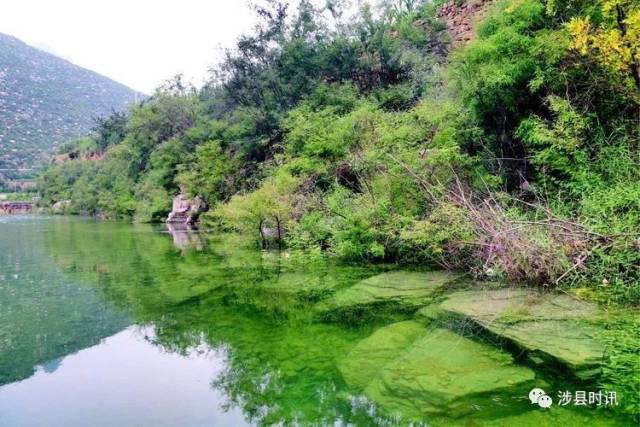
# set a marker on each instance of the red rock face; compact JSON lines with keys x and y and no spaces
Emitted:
{"x":460,"y":18}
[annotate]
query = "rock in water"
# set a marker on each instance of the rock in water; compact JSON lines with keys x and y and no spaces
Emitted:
{"x":402,"y":290}
{"x":370,"y":355}
{"x":61,"y":206}
{"x":186,"y":211}
{"x":415,"y":373}
{"x":516,"y":305}
{"x":446,"y":373}
{"x":574,"y":344}
{"x":549,"y":327}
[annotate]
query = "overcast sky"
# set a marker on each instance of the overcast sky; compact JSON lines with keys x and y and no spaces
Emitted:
{"x":139,"y":43}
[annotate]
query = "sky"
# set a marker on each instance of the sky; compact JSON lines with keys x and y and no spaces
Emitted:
{"x":140,"y":43}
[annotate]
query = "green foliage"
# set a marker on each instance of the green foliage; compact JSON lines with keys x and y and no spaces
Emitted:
{"x":445,"y":234}
{"x":263,"y":213}
{"x":212,"y":174}
{"x":56,"y":183}
{"x":77,"y":147}
{"x":358,"y":231}
{"x":325,"y":135}
{"x":357,"y":135}
{"x":18,"y":197}
{"x":153,"y":202}
{"x":493,"y":71}
{"x":557,"y":146}
{"x":110,"y":130}
{"x":622,"y":370}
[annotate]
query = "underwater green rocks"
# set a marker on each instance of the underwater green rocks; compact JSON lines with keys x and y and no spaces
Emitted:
{"x":371,"y":354}
{"x":410,"y":370}
{"x":403,"y":291}
{"x":548,"y":327}
{"x":510,"y":305}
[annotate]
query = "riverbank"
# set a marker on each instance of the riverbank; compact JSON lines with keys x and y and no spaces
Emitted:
{"x":432,"y":133}
{"x":376,"y":341}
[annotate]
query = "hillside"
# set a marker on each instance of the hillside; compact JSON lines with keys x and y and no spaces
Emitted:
{"x":45,"y":100}
{"x":449,"y":134}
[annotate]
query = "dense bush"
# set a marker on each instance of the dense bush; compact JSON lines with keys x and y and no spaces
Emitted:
{"x":515,"y":155}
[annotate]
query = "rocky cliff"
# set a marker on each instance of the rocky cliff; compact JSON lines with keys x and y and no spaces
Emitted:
{"x":461,"y":17}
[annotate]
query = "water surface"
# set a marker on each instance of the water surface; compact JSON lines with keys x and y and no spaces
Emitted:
{"x":106,"y":323}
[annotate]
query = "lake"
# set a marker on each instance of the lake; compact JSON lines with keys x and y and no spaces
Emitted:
{"x":113,"y":324}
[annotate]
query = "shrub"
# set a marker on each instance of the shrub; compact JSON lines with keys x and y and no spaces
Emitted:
{"x":445,"y":238}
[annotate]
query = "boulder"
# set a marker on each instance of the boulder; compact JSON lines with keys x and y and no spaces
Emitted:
{"x":548,"y":327}
{"x":401,"y":290}
{"x":416,"y":373}
{"x":185,"y":210}
{"x":429,"y":314}
{"x":516,"y":305}
{"x":370,"y":355}
{"x":61,"y":207}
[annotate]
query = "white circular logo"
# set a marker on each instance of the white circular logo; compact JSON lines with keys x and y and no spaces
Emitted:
{"x":537,"y":395}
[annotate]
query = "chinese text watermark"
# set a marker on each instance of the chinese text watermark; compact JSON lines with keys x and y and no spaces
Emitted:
{"x":577,"y":398}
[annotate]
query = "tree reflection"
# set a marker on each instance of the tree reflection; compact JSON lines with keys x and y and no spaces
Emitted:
{"x":281,"y":364}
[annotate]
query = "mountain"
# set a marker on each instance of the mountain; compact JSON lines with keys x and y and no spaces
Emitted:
{"x":45,"y":100}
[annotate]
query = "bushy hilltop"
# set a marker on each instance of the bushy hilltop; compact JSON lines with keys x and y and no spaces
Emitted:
{"x":380,"y":137}
{"x":45,"y":100}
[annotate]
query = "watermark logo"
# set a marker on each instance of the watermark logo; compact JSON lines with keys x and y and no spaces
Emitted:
{"x":590,"y":398}
{"x":545,"y":401}
{"x":539,"y":397}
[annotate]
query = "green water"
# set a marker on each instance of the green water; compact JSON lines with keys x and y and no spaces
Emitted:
{"x":105,"y":324}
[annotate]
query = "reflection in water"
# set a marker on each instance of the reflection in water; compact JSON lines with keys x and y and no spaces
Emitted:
{"x":44,"y":313}
{"x":185,"y":237}
{"x":124,"y":381}
{"x":52,"y":365}
{"x":224,"y":335}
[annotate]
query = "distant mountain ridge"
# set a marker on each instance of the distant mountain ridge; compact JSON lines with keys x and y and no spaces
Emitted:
{"x":46,"y":100}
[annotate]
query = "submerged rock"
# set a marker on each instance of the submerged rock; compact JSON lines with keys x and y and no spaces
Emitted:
{"x":443,"y":372}
{"x":429,"y":313}
{"x":401,"y":289}
{"x":414,"y":372}
{"x":517,"y":305}
{"x":370,"y":355}
{"x":549,"y":327}
{"x":571,"y":343}
{"x":302,"y":283}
